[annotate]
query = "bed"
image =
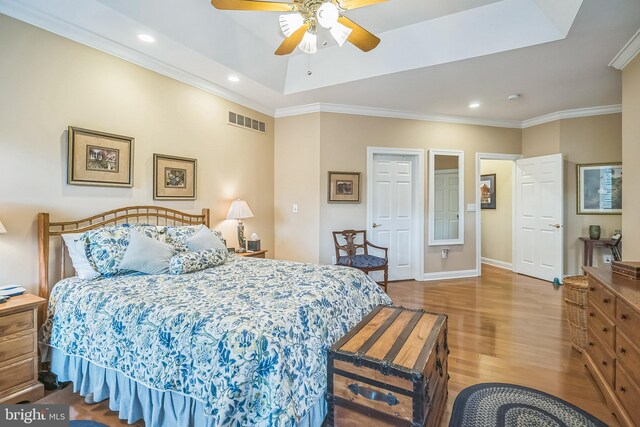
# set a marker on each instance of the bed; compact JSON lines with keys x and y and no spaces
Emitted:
{"x":243,"y":343}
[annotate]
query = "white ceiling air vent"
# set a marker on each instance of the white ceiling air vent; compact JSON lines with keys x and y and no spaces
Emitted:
{"x":246,"y":122}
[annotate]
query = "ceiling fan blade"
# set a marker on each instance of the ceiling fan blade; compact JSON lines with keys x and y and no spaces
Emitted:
{"x":359,"y":37}
{"x":264,"y":6}
{"x":354,"y":4}
{"x":290,"y":43}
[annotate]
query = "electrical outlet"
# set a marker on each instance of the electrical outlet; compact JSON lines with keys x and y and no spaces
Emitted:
{"x":295,"y":208}
{"x":445,"y":253}
{"x":607,"y":259}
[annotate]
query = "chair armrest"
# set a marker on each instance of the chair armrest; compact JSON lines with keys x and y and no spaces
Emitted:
{"x":378,"y":247}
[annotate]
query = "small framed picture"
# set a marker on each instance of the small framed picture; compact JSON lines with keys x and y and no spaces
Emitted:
{"x":344,"y":187}
{"x":488,"y":191}
{"x":599,"y":189}
{"x":99,"y":159}
{"x":174,"y":178}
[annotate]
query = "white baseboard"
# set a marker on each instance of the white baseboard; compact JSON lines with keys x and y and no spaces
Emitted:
{"x":459,"y":274}
{"x":496,"y":263}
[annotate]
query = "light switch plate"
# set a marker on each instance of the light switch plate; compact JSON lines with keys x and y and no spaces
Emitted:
{"x":472,"y":207}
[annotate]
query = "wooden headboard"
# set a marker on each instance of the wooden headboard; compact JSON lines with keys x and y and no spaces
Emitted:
{"x":133,"y":214}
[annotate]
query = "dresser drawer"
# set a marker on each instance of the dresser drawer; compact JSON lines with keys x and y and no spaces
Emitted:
{"x":602,"y":298}
{"x":628,"y":393}
{"x":17,"y":322}
{"x":601,"y":325}
{"x":628,"y":320}
{"x":17,"y":345}
{"x":17,"y":373}
{"x":601,"y":356}
{"x":628,"y":355}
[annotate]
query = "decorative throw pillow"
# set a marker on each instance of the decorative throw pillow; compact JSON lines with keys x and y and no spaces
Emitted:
{"x":177,"y":236}
{"x":205,"y":239}
{"x":75,"y":246}
{"x":189,"y":261}
{"x":146,"y":255}
{"x":105,"y":247}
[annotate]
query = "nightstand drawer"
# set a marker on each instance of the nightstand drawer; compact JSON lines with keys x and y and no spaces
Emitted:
{"x":17,"y":322}
{"x":17,"y":346}
{"x":17,"y":373}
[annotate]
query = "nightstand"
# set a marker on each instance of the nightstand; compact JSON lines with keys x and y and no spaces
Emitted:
{"x":19,"y":350}
{"x":253,"y":254}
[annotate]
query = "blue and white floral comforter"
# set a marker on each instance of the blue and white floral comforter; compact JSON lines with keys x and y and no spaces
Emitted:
{"x":247,"y":338}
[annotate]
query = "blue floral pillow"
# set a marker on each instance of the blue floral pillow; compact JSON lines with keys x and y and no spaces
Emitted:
{"x":105,"y":247}
{"x":177,"y":236}
{"x":190,"y":261}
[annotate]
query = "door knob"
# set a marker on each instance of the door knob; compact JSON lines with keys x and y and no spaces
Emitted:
{"x":555,"y":225}
{"x":376,"y":225}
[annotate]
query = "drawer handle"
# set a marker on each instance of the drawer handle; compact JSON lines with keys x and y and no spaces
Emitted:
{"x":605,"y":329}
{"x":623,"y":316}
{"x":590,"y":344}
{"x":622,"y":389}
{"x":604,"y":363}
{"x":592,"y":314}
{"x":605,"y":300}
{"x":592,"y":289}
{"x":367,"y":393}
{"x":623,"y":350}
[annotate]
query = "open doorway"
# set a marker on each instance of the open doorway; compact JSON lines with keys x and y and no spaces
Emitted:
{"x":495,"y":209}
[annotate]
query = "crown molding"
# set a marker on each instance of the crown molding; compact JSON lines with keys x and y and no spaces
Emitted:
{"x":69,"y":30}
{"x":572,"y":114}
{"x":393,"y":114}
{"x":627,"y":53}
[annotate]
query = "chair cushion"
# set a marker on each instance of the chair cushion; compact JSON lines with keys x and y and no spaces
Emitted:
{"x":360,"y":261}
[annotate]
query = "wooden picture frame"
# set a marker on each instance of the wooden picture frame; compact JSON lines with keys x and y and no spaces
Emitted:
{"x":174,"y":178}
{"x":599,"y":189}
{"x":99,"y":158}
{"x":343,"y":187}
{"x":488,"y":191}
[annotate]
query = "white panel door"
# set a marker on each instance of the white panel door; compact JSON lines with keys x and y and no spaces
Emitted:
{"x":539,"y":215}
{"x":445,"y":206}
{"x":393,"y":212}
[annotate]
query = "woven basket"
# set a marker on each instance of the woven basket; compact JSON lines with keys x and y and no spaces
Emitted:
{"x":575,"y":295}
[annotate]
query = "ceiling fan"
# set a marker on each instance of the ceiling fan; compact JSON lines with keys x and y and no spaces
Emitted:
{"x":300,"y":25}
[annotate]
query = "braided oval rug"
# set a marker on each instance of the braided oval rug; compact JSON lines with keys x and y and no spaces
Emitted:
{"x":508,"y":405}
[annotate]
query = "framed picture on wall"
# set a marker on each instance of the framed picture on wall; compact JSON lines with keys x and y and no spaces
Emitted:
{"x":174,"y":178}
{"x":488,"y":191}
{"x":599,"y":189}
{"x":99,"y":158}
{"x":344,"y":187}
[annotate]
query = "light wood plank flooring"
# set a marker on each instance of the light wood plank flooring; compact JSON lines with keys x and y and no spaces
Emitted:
{"x":503,"y":327}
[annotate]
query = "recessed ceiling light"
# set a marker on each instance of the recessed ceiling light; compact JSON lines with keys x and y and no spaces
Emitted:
{"x":146,"y":38}
{"x":234,"y":79}
{"x":474,"y":105}
{"x":514,"y":97}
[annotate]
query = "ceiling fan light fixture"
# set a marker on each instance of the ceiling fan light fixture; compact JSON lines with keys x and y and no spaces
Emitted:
{"x":290,"y":23}
{"x":327,"y":15}
{"x":340,"y":33}
{"x":309,"y":43}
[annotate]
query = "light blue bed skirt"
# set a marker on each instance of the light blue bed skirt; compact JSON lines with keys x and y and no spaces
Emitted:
{"x":134,"y":401}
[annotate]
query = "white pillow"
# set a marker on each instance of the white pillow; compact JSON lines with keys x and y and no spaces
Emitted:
{"x":78,"y":255}
{"x":146,"y":255}
{"x":205,"y":239}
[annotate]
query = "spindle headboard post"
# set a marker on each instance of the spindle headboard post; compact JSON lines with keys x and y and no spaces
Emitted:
{"x":153,"y":215}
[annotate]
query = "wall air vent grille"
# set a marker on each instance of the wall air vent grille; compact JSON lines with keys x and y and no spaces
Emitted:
{"x":246,"y":122}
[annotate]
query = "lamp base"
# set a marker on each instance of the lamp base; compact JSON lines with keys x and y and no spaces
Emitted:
{"x":241,"y":237}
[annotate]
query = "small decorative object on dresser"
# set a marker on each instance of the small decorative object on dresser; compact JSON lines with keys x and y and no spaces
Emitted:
{"x":627,"y":269}
{"x":174,"y":178}
{"x":99,"y":158}
{"x":613,"y":341}
{"x":19,"y":350}
{"x":389,"y":370}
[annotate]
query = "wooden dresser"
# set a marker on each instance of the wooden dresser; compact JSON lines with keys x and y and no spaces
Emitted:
{"x":19,"y":350}
{"x":613,"y":341}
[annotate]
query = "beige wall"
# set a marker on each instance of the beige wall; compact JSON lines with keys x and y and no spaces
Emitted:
{"x":344,"y":142}
{"x":595,"y":139}
{"x":631,"y":151}
{"x":497,"y":224}
{"x":48,"y":83}
{"x":297,"y":181}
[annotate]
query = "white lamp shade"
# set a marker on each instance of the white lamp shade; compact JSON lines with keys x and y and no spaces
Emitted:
{"x":340,"y":32}
{"x":290,"y":23}
{"x":327,"y":15}
{"x":309,"y":43}
{"x":2,"y":229}
{"x":239,"y":210}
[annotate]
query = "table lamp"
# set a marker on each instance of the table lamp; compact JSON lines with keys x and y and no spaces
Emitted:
{"x":240,"y":210}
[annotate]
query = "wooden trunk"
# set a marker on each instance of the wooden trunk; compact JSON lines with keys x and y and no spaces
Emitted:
{"x":389,"y":370}
{"x":627,"y":269}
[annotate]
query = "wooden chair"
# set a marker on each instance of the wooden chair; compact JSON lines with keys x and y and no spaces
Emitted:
{"x":349,"y":242}
{"x":615,"y":249}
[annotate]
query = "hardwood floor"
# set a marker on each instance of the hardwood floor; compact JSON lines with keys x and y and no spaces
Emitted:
{"x":503,"y":327}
